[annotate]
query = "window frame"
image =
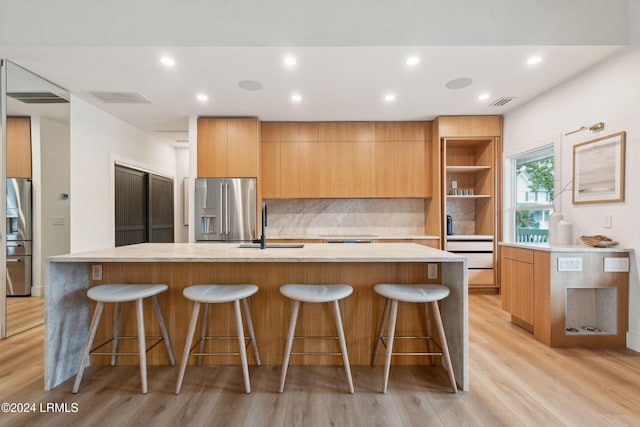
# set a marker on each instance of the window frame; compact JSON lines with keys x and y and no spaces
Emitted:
{"x":510,"y":160}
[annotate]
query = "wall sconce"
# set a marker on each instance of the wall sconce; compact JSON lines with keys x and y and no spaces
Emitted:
{"x":592,"y":128}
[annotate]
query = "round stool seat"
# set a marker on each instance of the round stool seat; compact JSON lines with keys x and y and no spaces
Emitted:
{"x":412,"y":293}
{"x":316,"y":293}
{"x":207,"y":294}
{"x":124,"y":293}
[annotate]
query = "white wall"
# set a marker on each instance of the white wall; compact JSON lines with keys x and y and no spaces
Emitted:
{"x":182,"y":172}
{"x":609,"y":92}
{"x":50,"y":142}
{"x":98,"y":140}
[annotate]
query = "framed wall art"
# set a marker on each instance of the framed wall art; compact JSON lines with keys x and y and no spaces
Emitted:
{"x":598,"y":170}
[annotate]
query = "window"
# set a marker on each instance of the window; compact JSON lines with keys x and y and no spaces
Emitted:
{"x":533,"y":175}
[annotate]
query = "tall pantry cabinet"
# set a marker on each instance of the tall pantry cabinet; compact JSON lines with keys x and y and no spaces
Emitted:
{"x":468,"y":156}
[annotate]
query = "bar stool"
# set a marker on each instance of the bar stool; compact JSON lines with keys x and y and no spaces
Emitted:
{"x":316,"y":293}
{"x":427,"y":294}
{"x":119,"y":293}
{"x":215,"y":294}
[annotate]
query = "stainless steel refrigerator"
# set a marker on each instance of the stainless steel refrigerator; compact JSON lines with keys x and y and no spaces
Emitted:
{"x":225,"y":209}
{"x":19,"y":230}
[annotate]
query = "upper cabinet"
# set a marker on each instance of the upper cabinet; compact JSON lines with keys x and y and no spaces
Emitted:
{"x":18,"y":147}
{"x":228,"y":147}
{"x":469,"y":126}
{"x":345,"y":159}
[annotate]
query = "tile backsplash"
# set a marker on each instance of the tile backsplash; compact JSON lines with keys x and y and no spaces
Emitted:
{"x":314,"y":217}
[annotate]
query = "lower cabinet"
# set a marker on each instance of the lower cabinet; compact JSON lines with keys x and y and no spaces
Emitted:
{"x":567,"y":297}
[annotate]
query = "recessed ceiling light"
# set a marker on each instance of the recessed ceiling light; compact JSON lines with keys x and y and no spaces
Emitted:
{"x":483,"y":97}
{"x":169,"y":62}
{"x":296,"y":97}
{"x":459,"y":83}
{"x":413,"y":60}
{"x":389,"y":97}
{"x":290,"y":61}
{"x":534,"y":60}
{"x":202,"y":97}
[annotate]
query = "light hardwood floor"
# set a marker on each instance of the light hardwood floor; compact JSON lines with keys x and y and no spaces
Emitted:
{"x":24,"y":313}
{"x":514,"y":380}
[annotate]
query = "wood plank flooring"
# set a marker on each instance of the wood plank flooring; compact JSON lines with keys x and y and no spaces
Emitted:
{"x":515,"y":380}
{"x":24,"y":313}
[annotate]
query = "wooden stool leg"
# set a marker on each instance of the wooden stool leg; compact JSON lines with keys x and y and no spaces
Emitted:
{"x":343,"y":344}
{"x":163,"y":329}
{"x":428,"y":333}
{"x":116,"y":332}
{"x":383,"y":322}
{"x":87,"y":345}
{"x":187,"y":345}
{"x":203,"y":332}
{"x":142,"y":350}
{"x":445,"y":347}
{"x":390,"y":336}
{"x":241,"y":343}
{"x":289,"y":344}
{"x":252,"y":333}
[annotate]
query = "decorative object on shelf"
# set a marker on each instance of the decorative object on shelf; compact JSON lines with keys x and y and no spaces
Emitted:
{"x":564,"y":233}
{"x":598,"y":170}
{"x":594,"y":127}
{"x":598,"y":241}
{"x":554,"y":218}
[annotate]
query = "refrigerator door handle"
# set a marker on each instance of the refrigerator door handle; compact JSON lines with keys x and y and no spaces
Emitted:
{"x":14,"y":260}
{"x":222,"y":208}
{"x":226,"y":207}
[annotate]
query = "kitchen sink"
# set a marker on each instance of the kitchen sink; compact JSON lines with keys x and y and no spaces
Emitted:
{"x":272,"y":245}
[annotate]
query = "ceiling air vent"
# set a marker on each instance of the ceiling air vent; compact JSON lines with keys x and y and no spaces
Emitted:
{"x":37,"y":97}
{"x":120,"y":97}
{"x":502,"y":101}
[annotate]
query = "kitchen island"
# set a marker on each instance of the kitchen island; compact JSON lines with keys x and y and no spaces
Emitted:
{"x":183,"y":264}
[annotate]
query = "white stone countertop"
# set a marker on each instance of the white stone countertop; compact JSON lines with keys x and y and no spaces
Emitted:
{"x":563,"y":248}
{"x":230,"y":252}
{"x":350,"y":237}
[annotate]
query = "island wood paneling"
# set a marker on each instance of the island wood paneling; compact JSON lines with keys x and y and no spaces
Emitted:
{"x":270,"y":310}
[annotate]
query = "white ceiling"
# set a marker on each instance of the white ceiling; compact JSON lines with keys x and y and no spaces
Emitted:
{"x":344,"y":67}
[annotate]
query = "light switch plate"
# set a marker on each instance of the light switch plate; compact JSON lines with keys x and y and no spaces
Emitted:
{"x":613,"y":265}
{"x":569,"y":264}
{"x":58,"y":220}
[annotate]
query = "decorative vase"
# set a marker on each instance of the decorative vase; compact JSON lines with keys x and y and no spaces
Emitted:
{"x":554,"y":218}
{"x":564,"y":233}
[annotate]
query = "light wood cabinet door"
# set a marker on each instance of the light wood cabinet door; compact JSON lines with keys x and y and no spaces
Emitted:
{"x":347,"y":169}
{"x":520,"y":277}
{"x":227,"y":148}
{"x":401,"y":169}
{"x":309,"y":169}
{"x":242,"y":148}
{"x":212,"y":148}
{"x":485,"y":126}
{"x":289,"y":170}
{"x":270,"y":170}
{"x":400,"y":131}
{"x":361,"y":131}
{"x":332,"y":131}
{"x":18,"y":147}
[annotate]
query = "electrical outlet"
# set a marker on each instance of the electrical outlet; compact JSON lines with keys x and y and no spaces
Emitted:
{"x":96,"y":272}
{"x":58,"y":220}
{"x":607,"y":221}
{"x":612,"y":265}
{"x":569,"y":264}
{"x":432,"y":271}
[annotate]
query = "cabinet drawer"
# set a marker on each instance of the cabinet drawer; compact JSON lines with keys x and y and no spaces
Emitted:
{"x":478,"y":260}
{"x":480,"y":277}
{"x":524,"y":255}
{"x":469,"y":246}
